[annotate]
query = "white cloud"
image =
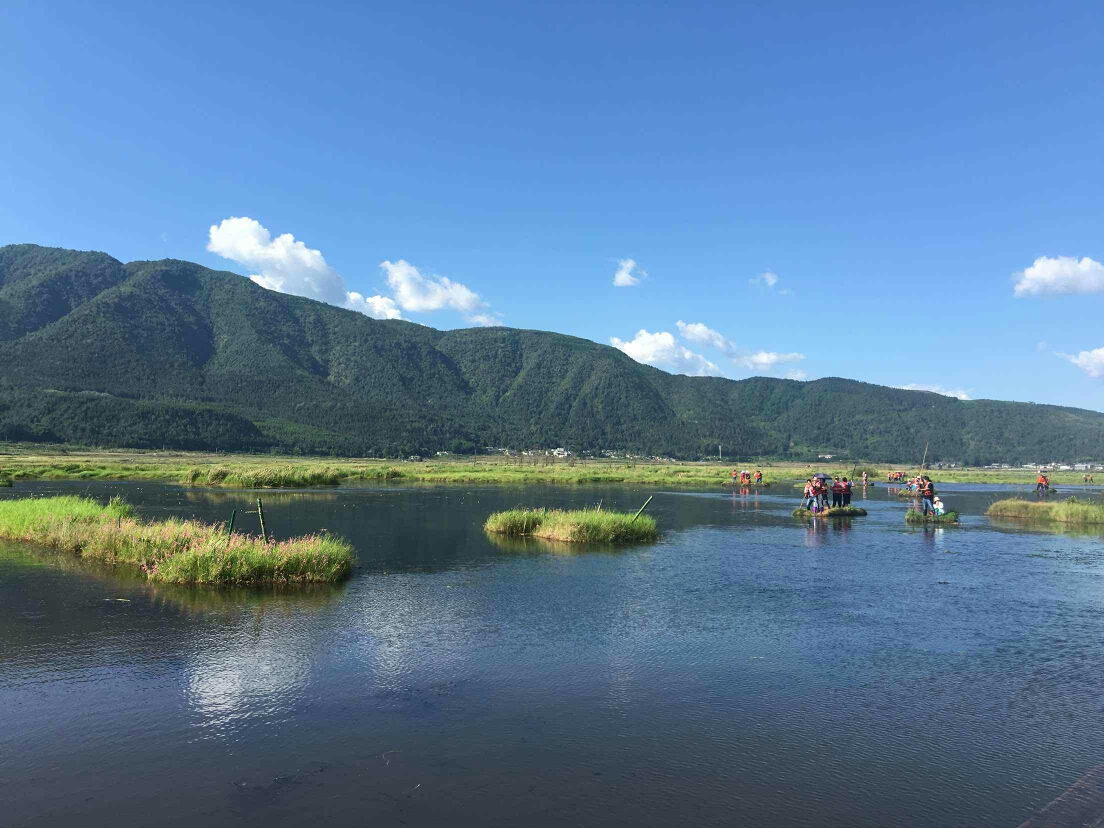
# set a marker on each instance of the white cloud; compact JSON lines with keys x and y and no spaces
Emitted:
{"x":628,"y":274}
{"x":378,"y":307}
{"x":957,"y":393}
{"x":485,"y":320}
{"x":766,"y":360}
{"x":289,"y":266}
{"x":1063,"y":274}
{"x":766,"y":278}
{"x":1091,"y":362}
{"x":703,"y":335}
{"x":796,"y":374}
{"x":663,"y":351}
{"x":419,"y":293}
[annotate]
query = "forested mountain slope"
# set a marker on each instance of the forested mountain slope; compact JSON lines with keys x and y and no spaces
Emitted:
{"x":172,"y":354}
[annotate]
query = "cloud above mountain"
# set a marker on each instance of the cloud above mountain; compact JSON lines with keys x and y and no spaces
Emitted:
{"x":662,"y":350}
{"x":286,"y":265}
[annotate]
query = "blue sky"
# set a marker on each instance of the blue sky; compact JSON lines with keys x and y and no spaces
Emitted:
{"x":897,"y":172}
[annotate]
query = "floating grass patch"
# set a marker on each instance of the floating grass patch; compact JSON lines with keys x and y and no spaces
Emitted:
{"x":836,"y":511}
{"x":263,"y":477}
{"x":1071,"y":512}
{"x":917,"y":517}
{"x":172,"y":551}
{"x":581,"y":526}
{"x":5,"y":480}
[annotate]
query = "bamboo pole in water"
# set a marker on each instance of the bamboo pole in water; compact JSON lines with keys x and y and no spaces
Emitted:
{"x":642,"y":508}
{"x":260,"y":514}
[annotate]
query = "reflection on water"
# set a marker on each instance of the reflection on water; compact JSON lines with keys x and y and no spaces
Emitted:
{"x":749,"y":668}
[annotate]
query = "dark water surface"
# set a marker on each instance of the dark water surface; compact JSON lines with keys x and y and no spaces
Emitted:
{"x":749,"y":669}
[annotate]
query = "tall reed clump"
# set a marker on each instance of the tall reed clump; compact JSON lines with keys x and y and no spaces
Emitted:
{"x":173,"y":551}
{"x":1072,"y":511}
{"x":263,"y":477}
{"x":580,"y":526}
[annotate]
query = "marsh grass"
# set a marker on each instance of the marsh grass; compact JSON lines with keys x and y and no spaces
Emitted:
{"x":263,"y":477}
{"x":837,"y":511}
{"x":1072,"y":511}
{"x":579,"y":526}
{"x":172,"y":551}
{"x":916,"y":516}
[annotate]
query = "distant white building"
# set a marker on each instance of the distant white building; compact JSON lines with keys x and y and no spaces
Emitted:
{"x":560,"y":452}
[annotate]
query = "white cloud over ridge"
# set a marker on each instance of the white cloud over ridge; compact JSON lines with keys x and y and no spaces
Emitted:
{"x":768,"y":360}
{"x":628,"y":274}
{"x":704,"y":335}
{"x":957,"y":393}
{"x":662,"y":350}
{"x":1061,"y":274}
{"x":1091,"y":362}
{"x":286,"y":265}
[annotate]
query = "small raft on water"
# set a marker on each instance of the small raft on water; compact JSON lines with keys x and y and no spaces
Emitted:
{"x":917,"y":517}
{"x":837,"y":511}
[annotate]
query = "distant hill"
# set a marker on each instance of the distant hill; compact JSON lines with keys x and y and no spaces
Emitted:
{"x":172,"y":354}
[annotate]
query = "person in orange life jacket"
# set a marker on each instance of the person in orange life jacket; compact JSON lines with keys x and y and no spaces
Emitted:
{"x":807,"y":496}
{"x":758,"y":476}
{"x":927,"y":493}
{"x":846,"y":492}
{"x":837,"y":493}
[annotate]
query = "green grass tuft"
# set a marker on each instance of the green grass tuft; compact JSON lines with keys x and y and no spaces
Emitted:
{"x":263,"y":477}
{"x":172,"y":551}
{"x":1072,"y":511}
{"x":916,"y":516}
{"x":583,"y":526}
{"x":838,"y":511}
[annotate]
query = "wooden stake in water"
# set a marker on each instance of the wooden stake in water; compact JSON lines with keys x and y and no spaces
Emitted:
{"x":260,"y":514}
{"x":642,"y":508}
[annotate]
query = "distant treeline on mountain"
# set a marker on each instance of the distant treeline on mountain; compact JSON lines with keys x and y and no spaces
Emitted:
{"x":170,"y":354}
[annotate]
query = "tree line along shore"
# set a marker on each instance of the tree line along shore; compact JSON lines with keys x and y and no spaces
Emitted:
{"x":266,"y":471}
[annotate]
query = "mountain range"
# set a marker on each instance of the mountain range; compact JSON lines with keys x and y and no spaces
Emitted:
{"x":170,"y":354}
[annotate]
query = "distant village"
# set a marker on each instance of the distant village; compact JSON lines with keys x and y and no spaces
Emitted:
{"x":565,"y":454}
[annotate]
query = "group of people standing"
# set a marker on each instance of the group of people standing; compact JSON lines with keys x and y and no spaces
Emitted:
{"x":745,"y":477}
{"x":817,"y":490}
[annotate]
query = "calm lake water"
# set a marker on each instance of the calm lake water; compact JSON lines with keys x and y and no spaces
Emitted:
{"x":748,"y":669}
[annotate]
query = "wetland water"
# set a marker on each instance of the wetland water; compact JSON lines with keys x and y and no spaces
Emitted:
{"x":747,"y":669}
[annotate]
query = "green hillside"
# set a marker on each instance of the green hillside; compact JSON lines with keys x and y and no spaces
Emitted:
{"x":172,"y":354}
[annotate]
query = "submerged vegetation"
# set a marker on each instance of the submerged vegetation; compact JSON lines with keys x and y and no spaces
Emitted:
{"x":836,"y":511}
{"x":916,"y":516}
{"x":581,"y":526}
{"x":1072,"y":511}
{"x":172,"y":551}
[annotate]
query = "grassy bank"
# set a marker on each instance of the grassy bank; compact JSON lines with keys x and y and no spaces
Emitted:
{"x":573,"y":526}
{"x":172,"y":551}
{"x":837,"y":511}
{"x":35,"y":462}
{"x":916,"y":516}
{"x":1072,"y":512}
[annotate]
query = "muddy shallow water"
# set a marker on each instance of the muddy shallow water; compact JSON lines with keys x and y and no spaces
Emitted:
{"x":749,"y":669}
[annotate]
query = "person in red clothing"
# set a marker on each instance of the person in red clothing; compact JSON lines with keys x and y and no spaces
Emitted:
{"x":837,"y":493}
{"x":846,"y":492}
{"x":927,"y":493}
